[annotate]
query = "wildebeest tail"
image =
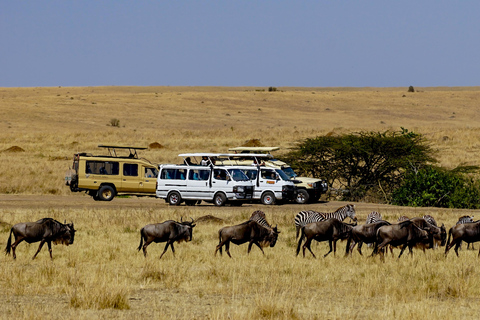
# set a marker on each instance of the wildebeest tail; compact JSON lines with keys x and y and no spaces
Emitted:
{"x":141,"y":240}
{"x":302,"y":236}
{"x":298,"y":231}
{"x":9,"y":242}
{"x":448,"y":240}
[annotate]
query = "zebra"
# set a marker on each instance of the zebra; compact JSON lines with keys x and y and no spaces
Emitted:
{"x":305,"y":217}
{"x":403,"y":218}
{"x":259,"y":217}
{"x":463,"y":220}
{"x":373,"y":217}
{"x":430,"y":220}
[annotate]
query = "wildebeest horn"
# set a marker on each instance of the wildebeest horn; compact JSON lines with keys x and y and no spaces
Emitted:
{"x":181,"y":219}
{"x":192,"y":219}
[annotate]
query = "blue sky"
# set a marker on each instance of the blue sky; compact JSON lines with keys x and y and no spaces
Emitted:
{"x":240,"y":43}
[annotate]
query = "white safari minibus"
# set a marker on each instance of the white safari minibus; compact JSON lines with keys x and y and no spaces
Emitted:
{"x":192,"y":183}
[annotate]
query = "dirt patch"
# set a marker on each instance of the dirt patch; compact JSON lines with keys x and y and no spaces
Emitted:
{"x":155,"y":145}
{"x":14,"y":149}
{"x":253,"y":143}
{"x":209,"y":219}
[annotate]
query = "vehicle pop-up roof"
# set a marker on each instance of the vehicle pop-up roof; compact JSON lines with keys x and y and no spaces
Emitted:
{"x":220,"y":158}
{"x":112,"y":150}
{"x":254,"y":149}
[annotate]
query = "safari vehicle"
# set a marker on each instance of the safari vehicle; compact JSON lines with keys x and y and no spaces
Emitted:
{"x":272,"y":185}
{"x":308,"y":189}
{"x":192,"y":183}
{"x":104,"y":177}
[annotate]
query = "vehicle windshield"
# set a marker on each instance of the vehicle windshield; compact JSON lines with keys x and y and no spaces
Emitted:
{"x":283,"y":175}
{"x":289,"y":172}
{"x":238,"y":175}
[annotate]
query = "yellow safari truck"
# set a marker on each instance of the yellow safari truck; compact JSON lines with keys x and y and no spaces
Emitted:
{"x":103,"y":177}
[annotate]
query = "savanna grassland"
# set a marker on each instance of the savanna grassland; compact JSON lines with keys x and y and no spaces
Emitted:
{"x":103,"y":276}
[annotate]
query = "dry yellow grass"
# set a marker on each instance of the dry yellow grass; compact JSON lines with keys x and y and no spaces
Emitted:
{"x":103,"y":276}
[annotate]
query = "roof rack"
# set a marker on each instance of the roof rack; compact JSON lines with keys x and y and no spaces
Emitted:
{"x":113,"y":153}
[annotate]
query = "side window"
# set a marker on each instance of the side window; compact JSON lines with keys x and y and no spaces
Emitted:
{"x":220,"y":174}
{"x":101,"y":167}
{"x":174,"y":174}
{"x":130,"y":169}
{"x":198,"y":175}
{"x":268,"y":174}
{"x":151,"y":173}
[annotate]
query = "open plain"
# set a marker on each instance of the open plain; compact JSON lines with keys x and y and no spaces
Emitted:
{"x":102,"y":275}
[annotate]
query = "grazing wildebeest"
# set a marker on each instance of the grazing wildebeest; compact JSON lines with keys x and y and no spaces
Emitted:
{"x":430,"y":225}
{"x":249,"y":231}
{"x":366,"y":233}
{"x":406,"y":234}
{"x":44,"y":230}
{"x":330,"y":230}
{"x":468,"y":232}
{"x":168,"y":231}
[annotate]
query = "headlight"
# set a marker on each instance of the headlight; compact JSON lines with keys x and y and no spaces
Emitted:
{"x":238,"y":189}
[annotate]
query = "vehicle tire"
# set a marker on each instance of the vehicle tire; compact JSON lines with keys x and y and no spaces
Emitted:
{"x":174,"y":198}
{"x":219,"y":200}
{"x":268,"y":198}
{"x":106,"y":193}
{"x":302,"y":196}
{"x":190,"y":202}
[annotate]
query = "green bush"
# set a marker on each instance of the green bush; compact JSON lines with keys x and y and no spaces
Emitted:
{"x":436,"y":187}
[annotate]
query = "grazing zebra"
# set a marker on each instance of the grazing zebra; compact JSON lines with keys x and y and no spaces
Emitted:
{"x":373,"y":217}
{"x":463,"y":220}
{"x":260,"y":218}
{"x":430,"y":220}
{"x":305,"y":217}
{"x":403,"y":218}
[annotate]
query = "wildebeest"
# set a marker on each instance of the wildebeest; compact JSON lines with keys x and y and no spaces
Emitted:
{"x":366,"y":233}
{"x":468,"y":232}
{"x":406,"y":234}
{"x":44,"y":230}
{"x":249,"y":231}
{"x":330,"y":230}
{"x":439,"y":233}
{"x":168,"y":231}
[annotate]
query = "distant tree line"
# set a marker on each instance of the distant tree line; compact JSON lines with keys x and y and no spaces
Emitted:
{"x":396,"y":167}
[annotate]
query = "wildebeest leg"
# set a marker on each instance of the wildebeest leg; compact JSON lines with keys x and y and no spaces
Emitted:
{"x":227,"y":248}
{"x":220,"y":245}
{"x":144,"y":248}
{"x":164,"y":250}
{"x":330,"y":245}
{"x":173,"y":249}
{"x":14,"y":246}
{"x":401,"y":251}
{"x":39,"y":248}
{"x":307,"y":245}
{"x":359,"y":247}
{"x":49,"y":244}
{"x":457,"y":246}
{"x":259,"y":246}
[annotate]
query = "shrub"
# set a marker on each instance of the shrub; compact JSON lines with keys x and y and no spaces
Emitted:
{"x":432,"y":186}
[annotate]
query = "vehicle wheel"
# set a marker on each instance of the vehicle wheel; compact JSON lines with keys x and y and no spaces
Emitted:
{"x":190,"y":202}
{"x":106,"y":193}
{"x":268,"y":198}
{"x":302,"y":196}
{"x":219,"y":199}
{"x":174,"y":198}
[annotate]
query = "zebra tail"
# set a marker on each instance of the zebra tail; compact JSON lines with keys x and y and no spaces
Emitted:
{"x":300,"y":240}
{"x":9,"y":243}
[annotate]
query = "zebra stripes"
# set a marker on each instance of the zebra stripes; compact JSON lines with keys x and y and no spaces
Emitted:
{"x":373,"y":217}
{"x":430,"y":220}
{"x":403,"y":218}
{"x":465,"y":219}
{"x":259,"y":217}
{"x":305,"y":217}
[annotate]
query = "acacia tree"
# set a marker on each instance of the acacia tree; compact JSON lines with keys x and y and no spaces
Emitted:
{"x":362,"y":164}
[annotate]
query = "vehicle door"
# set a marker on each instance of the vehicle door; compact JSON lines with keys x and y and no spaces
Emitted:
{"x":149,"y":179}
{"x":131,"y":179}
{"x":268,"y":179}
{"x":198,"y":183}
{"x":221,"y":181}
